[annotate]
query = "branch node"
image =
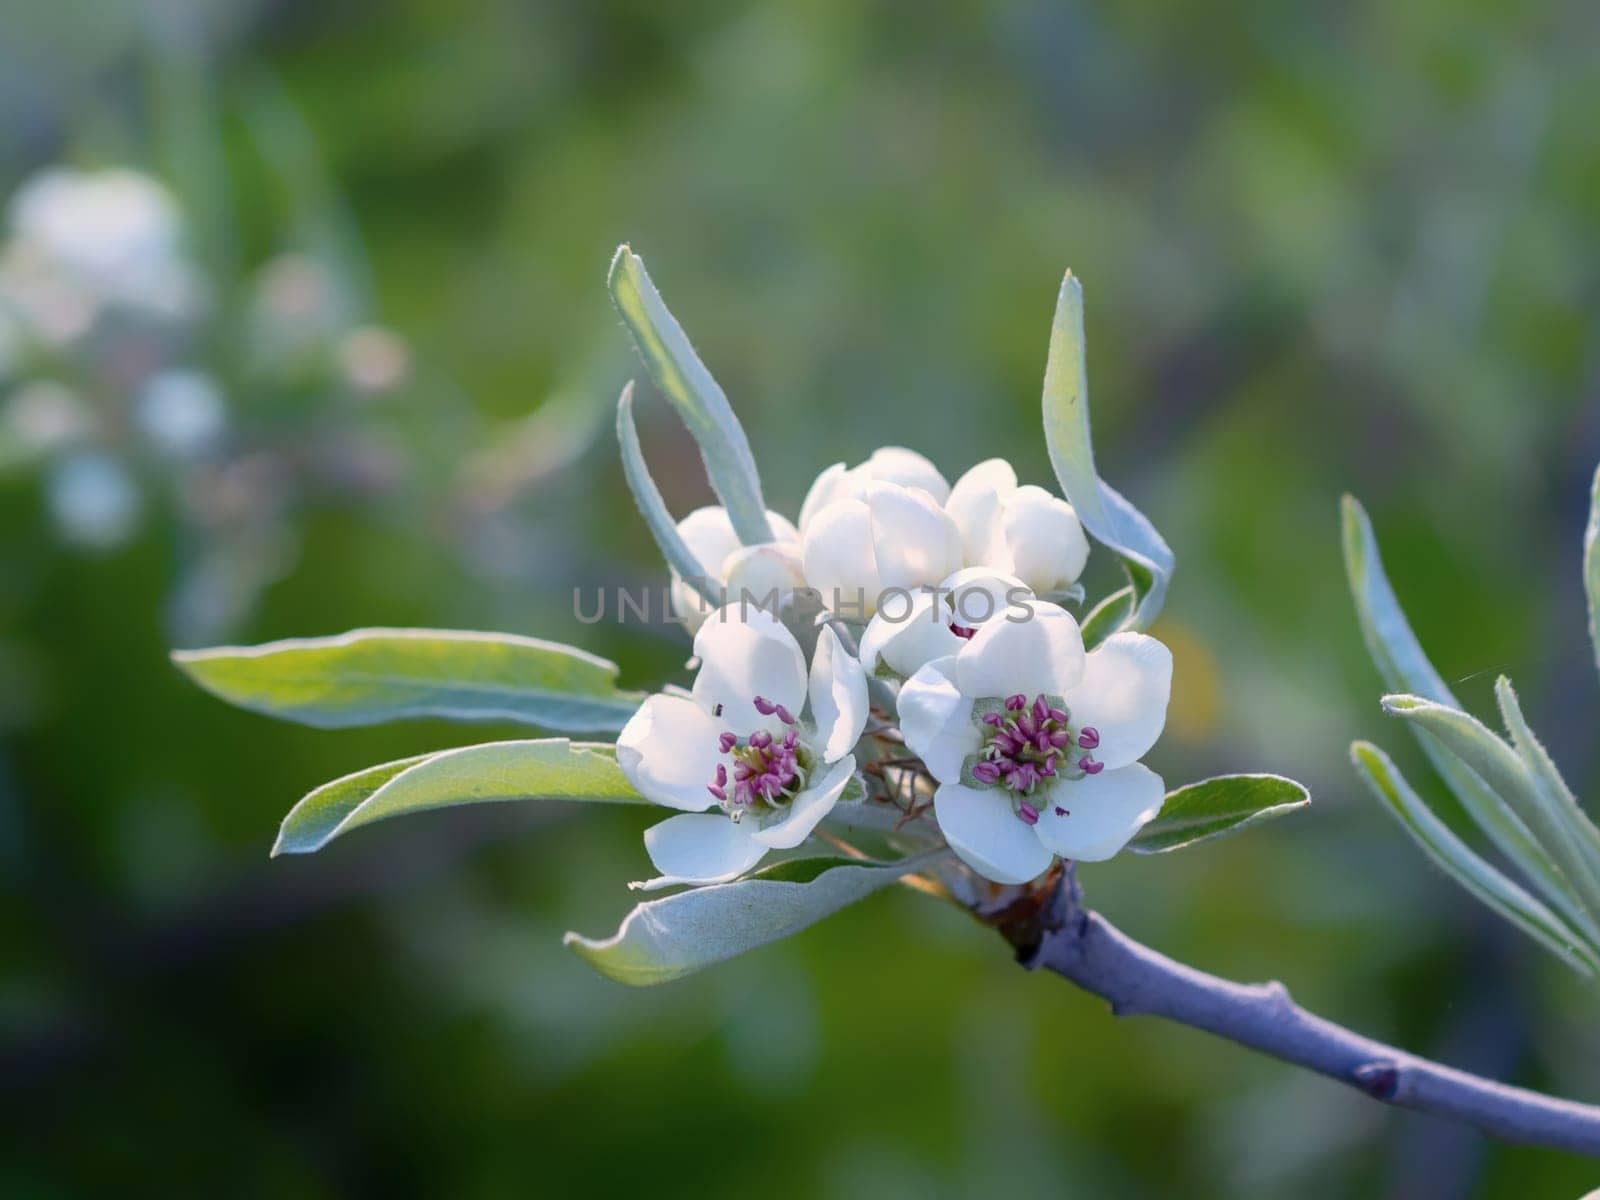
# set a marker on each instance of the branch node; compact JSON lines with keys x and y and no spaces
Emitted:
{"x":1380,"y":1080}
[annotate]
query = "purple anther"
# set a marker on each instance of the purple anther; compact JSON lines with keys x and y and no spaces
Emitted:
{"x":1089,"y":737}
{"x":764,"y":706}
{"x":727,"y":742}
{"x":1016,"y":703}
{"x":1089,"y":767}
{"x":986,"y":771}
{"x":1028,"y":813}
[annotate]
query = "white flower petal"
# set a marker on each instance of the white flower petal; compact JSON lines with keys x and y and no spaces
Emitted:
{"x":1041,"y":653}
{"x":828,"y":487}
{"x":808,"y":809}
{"x":669,"y":751}
{"x":839,"y":558}
{"x":905,"y":646}
{"x":701,"y":848}
{"x":896,"y":464}
{"x":915,"y":541}
{"x":838,"y":696}
{"x":984,"y":830}
{"x":746,"y":652}
{"x":689,"y":606}
{"x":1123,"y":695}
{"x":756,"y":573}
{"x":981,"y":594}
{"x":975,"y":505}
{"x":1098,"y":814}
{"x":936,"y":720}
{"x":1047,"y":544}
{"x":708,"y":532}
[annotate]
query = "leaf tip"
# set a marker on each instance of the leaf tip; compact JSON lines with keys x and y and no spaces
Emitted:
{"x":1398,"y":704}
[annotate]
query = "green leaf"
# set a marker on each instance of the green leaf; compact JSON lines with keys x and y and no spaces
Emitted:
{"x":653,"y":508}
{"x":1214,"y":807}
{"x":667,"y":939}
{"x":699,"y":400}
{"x":1576,"y":831}
{"x":541,"y":769}
{"x":1591,"y":564}
{"x":1508,"y":778}
{"x":1108,"y":616}
{"x":1457,"y":860}
{"x":1104,"y":512}
{"x":1404,"y":667}
{"x":372,"y":675}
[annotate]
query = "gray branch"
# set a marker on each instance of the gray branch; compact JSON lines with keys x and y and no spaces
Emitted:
{"x":1084,"y":947}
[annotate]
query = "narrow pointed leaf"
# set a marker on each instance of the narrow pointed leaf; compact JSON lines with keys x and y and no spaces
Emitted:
{"x":1577,"y":831}
{"x":540,"y":769}
{"x":1214,"y":807}
{"x":373,"y":675}
{"x":1591,"y":564}
{"x":1404,"y":667}
{"x":653,"y":508}
{"x":1115,"y":522}
{"x":1500,"y":768}
{"x":697,"y":397}
{"x":1457,"y":860}
{"x":662,"y":940}
{"x":1110,"y":615}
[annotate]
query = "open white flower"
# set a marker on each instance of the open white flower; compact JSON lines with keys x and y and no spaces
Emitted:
{"x":1035,"y":745}
{"x":733,"y":570}
{"x":746,"y":741}
{"x":874,"y":528}
{"x":908,"y":633}
{"x":1022,"y":531}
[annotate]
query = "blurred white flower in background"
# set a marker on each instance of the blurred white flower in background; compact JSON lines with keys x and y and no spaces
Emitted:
{"x":41,"y":416}
{"x":94,"y":500}
{"x":182,"y":411}
{"x":81,"y":242}
{"x":128,"y":393}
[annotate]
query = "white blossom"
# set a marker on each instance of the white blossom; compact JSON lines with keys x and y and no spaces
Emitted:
{"x":1035,"y":745}
{"x":732,"y":570}
{"x":876,"y":528}
{"x":1017,"y":530}
{"x":759,"y":739}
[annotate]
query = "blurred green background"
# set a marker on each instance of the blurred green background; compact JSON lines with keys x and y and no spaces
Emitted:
{"x":1347,"y":248}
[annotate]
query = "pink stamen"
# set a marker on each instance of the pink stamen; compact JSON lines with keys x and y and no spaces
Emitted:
{"x":727,"y":742}
{"x":1028,"y":813}
{"x":784,"y":715}
{"x":764,"y":706}
{"x":987,"y":771}
{"x":1016,"y":703}
{"x":1089,"y":737}
{"x":719,"y":793}
{"x":1089,"y":767}
{"x":761,"y":739}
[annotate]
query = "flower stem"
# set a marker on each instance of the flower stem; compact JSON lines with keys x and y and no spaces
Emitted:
{"x":1085,"y":948}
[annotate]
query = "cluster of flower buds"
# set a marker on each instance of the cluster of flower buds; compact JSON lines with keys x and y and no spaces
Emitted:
{"x":949,"y":600}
